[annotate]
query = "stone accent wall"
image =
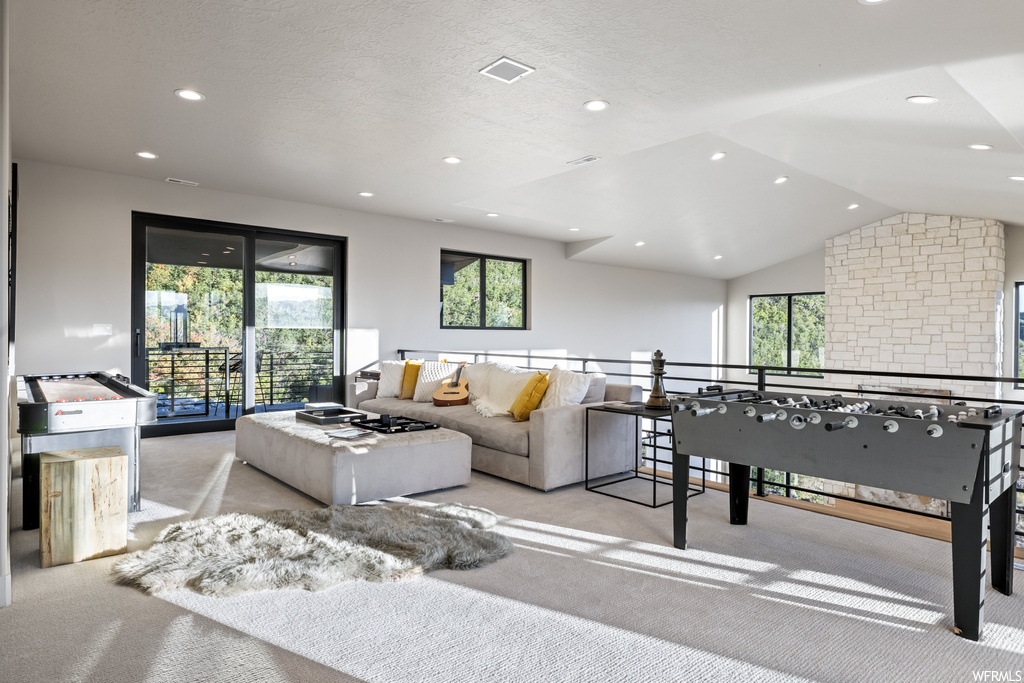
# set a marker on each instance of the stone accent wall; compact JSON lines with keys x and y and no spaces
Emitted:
{"x":916,"y":293}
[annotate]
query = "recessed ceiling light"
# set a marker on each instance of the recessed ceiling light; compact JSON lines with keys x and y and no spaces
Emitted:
{"x":202,"y":263}
{"x":717,"y":155}
{"x":595,"y":105}
{"x":365,"y":194}
{"x":781,"y":179}
{"x":291,"y":263}
{"x":922,"y":99}
{"x":491,"y":215}
{"x":574,"y":229}
{"x":851,"y":207}
{"x":146,"y":155}
{"x":718,"y":257}
{"x":640,"y":244}
{"x":191,"y":95}
{"x":232,"y":248}
{"x":981,"y":148}
{"x":1018,"y":178}
{"x":227,"y":252}
{"x":872,"y":2}
{"x":452,"y":160}
{"x":204,"y":254}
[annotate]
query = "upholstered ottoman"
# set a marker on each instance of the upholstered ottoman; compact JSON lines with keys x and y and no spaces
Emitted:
{"x":334,"y":470}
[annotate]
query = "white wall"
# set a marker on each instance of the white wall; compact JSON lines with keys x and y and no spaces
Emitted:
{"x":74,"y":271}
{"x":5,"y":469}
{"x":802,"y":274}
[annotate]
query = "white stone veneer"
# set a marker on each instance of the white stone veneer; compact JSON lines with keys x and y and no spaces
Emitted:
{"x":916,"y":293}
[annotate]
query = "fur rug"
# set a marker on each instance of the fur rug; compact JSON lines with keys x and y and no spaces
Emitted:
{"x":235,"y":554}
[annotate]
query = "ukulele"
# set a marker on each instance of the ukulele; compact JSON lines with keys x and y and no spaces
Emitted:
{"x":454,"y":393}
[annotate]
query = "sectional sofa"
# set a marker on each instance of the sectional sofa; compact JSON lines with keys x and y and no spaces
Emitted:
{"x":545,"y":451}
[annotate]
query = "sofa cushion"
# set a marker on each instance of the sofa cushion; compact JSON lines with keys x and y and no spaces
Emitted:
{"x":391,"y":374}
{"x":565,"y":388}
{"x":530,"y":397}
{"x":595,"y":393}
{"x":412,"y":373}
{"x":501,"y":386}
{"x":432,"y":374}
{"x":501,"y":433}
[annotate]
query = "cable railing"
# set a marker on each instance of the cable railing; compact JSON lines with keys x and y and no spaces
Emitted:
{"x":691,"y":377}
{"x":198,"y":382}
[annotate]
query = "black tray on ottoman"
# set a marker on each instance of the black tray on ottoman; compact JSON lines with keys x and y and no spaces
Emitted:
{"x":329,"y":416}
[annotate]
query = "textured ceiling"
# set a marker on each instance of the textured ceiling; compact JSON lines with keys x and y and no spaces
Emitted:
{"x":317,"y":100}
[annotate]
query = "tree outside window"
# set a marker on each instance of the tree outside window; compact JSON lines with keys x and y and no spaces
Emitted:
{"x":482,"y":292}
{"x":788,"y":330}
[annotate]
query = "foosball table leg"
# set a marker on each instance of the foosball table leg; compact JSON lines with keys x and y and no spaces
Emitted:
{"x":969,"y":523}
{"x":739,"y":493}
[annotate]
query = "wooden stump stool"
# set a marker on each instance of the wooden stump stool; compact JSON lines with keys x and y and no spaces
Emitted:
{"x":83,"y":506}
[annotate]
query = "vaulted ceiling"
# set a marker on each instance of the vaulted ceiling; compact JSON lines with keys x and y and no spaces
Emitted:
{"x":318,"y":100}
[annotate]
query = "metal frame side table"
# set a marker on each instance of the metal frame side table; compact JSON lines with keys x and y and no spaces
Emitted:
{"x":647,"y":439}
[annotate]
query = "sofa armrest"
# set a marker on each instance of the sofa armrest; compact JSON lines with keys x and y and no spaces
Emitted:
{"x":623,"y":392}
{"x":558,"y":442}
{"x":359,"y":391}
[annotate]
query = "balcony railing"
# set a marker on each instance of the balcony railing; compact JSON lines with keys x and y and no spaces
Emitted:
{"x":201,"y":382}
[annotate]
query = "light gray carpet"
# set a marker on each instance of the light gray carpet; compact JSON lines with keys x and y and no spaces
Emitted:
{"x":593,"y":592}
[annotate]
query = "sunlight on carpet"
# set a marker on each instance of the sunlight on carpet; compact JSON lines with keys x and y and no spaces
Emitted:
{"x":482,"y":636}
{"x":151,"y":511}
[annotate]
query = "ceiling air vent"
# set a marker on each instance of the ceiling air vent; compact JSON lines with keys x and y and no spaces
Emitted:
{"x":507,"y":70}
{"x":589,"y":159}
{"x":179,"y":181}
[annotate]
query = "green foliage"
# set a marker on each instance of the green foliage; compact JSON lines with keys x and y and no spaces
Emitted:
{"x":504,"y":293}
{"x":460,"y":302}
{"x":297,"y":349}
{"x":770,"y":330}
{"x":774,"y":339}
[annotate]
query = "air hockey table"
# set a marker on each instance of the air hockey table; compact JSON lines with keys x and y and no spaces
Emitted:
{"x":79,"y":410}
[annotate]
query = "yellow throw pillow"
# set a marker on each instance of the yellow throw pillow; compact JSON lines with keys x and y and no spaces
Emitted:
{"x":529,"y":398}
{"x":412,"y":373}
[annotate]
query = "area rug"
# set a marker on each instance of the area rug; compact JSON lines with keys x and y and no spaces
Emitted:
{"x":234,"y":554}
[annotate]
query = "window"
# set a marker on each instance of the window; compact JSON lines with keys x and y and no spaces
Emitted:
{"x":1019,"y":288}
{"x":788,"y":330}
{"x":482,"y":292}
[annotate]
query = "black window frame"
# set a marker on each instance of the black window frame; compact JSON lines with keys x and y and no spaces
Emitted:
{"x":484,"y":258}
{"x":789,"y":332}
{"x":1018,"y":291}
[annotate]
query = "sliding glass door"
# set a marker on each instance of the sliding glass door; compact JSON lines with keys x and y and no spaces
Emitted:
{"x":230,"y":320}
{"x":294,"y":323}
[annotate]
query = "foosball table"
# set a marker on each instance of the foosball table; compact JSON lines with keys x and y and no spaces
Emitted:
{"x":968,"y":456}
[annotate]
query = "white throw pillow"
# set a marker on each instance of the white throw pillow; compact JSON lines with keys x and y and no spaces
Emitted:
{"x":477,"y":376}
{"x":391,"y":373}
{"x":432,"y":373}
{"x":503,"y":384}
{"x":565,"y":388}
